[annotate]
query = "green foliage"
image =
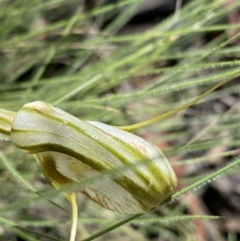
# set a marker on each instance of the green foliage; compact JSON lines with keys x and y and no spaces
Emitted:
{"x":62,"y":53}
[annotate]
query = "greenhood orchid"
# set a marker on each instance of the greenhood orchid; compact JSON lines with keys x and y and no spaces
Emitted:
{"x":70,"y":150}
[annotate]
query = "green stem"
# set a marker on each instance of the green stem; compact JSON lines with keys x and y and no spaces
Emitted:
{"x":73,"y":202}
{"x":6,"y":119}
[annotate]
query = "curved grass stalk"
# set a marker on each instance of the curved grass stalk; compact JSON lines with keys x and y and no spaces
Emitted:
{"x":182,"y":107}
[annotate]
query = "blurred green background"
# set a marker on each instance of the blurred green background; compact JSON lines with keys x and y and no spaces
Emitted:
{"x":120,"y":62}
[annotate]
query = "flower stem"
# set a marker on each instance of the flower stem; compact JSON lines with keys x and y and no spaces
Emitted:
{"x":73,"y":202}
